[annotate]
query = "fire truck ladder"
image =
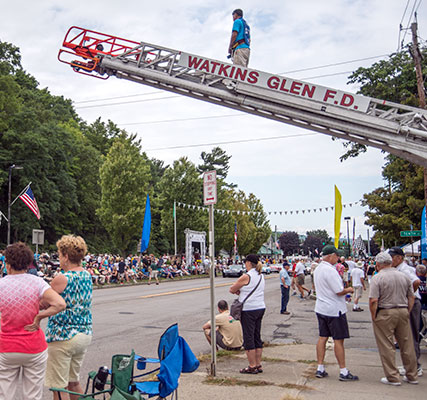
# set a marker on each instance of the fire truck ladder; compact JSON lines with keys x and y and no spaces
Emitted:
{"x":398,"y":129}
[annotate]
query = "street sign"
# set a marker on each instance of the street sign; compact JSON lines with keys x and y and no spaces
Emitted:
{"x":410,"y":233}
{"x":38,"y":236}
{"x":209,"y":188}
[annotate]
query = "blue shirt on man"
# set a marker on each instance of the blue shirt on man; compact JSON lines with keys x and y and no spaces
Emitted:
{"x":284,"y":274}
{"x":239,"y":27}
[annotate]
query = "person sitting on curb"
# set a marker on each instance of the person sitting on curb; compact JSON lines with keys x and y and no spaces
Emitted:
{"x":229,"y":334}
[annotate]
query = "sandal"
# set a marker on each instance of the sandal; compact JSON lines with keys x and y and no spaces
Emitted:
{"x":249,"y":370}
{"x":259,"y":369}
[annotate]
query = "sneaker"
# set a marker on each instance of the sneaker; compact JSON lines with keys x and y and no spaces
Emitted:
{"x":357,"y":309}
{"x":294,"y":293}
{"x":420,"y":371}
{"x":402,"y":371}
{"x":348,"y":377}
{"x":309,"y":293}
{"x":285,"y":312}
{"x":387,"y":382}
{"x":321,"y":374}
{"x":405,"y":379}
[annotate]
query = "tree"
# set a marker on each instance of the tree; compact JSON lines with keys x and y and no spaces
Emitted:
{"x":217,"y":160}
{"x":289,"y":243}
{"x":399,"y":203}
{"x":180,"y":182}
{"x":393,"y":79}
{"x":125,"y":177}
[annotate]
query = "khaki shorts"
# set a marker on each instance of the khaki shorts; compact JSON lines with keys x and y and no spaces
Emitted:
{"x":65,"y":360}
{"x":154,"y":273}
{"x":358,"y":290}
{"x":241,"y":57}
{"x":300,"y":279}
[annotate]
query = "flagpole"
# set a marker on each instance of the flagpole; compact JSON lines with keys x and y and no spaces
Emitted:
{"x":19,"y":195}
{"x":174,"y":225}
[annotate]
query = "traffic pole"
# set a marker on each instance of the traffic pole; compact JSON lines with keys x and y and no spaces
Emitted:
{"x":212,"y":288}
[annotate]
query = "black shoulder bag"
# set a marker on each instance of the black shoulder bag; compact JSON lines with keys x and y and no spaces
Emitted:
{"x":237,"y":306}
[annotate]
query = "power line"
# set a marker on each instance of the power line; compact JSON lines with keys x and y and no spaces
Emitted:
{"x":409,"y":20}
{"x":404,"y":13}
{"x":183,"y":119}
{"x":230,"y":142}
{"x":117,"y":97}
{"x":400,"y":25}
{"x":127,"y":102}
{"x":334,"y":64}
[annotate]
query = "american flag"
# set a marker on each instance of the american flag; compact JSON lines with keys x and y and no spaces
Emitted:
{"x":28,"y":198}
{"x":235,"y":238}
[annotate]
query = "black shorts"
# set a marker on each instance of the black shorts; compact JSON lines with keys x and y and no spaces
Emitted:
{"x":335,"y":327}
{"x":251,"y":327}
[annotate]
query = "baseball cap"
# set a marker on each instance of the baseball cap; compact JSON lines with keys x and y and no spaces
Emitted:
{"x":331,"y":249}
{"x":396,"y":251}
{"x":286,"y":264}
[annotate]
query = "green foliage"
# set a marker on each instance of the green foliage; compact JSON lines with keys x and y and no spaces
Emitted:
{"x":93,"y":179}
{"x":393,"y":79}
{"x":10,"y":58}
{"x":217,"y":160}
{"x":124,"y":177}
{"x":182,"y":183}
{"x":399,"y":204}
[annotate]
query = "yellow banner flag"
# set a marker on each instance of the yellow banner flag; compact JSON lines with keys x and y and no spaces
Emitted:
{"x":338,"y":212}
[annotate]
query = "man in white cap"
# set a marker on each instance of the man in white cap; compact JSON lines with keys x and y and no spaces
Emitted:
{"x":358,"y":283}
{"x":331,"y":311}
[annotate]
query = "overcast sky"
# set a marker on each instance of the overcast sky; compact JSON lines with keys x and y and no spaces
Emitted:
{"x":293,"y":173}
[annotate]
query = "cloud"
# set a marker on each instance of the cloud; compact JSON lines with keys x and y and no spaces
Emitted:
{"x":286,"y":36}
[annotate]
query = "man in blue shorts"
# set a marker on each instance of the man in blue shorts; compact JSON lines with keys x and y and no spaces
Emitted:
{"x":331,"y":311}
{"x":240,"y":40}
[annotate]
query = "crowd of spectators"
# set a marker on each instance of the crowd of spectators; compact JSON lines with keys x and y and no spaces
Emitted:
{"x":112,"y":269}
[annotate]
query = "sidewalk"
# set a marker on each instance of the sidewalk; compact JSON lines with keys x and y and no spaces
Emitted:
{"x":289,"y":375}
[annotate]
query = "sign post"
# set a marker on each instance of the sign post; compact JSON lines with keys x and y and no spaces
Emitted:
{"x":38,"y":238}
{"x":209,"y":199}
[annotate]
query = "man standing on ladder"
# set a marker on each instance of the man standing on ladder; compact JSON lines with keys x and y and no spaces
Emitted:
{"x":240,"y":40}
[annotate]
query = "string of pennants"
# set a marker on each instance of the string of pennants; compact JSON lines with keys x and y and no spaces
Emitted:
{"x":291,"y":212}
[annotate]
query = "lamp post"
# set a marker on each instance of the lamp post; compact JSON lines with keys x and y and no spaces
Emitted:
{"x":9,"y":200}
{"x":348,"y":235}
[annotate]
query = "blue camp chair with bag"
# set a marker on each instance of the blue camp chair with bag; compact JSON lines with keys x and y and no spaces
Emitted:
{"x":174,"y":357}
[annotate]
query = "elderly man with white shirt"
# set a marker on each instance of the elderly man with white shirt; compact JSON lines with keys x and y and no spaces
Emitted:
{"x":331,"y":311}
{"x":398,"y":257}
{"x":358,"y":283}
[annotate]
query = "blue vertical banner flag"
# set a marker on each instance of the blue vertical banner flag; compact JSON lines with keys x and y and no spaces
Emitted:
{"x":146,"y":229}
{"x":423,"y":236}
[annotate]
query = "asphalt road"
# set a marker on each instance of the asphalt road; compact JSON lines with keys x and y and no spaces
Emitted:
{"x":134,"y":317}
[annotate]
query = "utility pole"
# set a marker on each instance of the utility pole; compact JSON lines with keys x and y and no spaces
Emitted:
{"x":416,"y":55}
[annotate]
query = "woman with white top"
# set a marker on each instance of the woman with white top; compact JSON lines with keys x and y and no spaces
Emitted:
{"x":252,"y":283}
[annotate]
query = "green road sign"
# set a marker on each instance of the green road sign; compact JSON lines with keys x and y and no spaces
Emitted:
{"x":410,"y":233}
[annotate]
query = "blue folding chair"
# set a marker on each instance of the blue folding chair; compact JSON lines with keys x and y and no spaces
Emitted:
{"x":175,"y":357}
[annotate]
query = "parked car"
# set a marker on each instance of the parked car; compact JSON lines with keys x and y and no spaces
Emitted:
{"x":266,"y":269}
{"x":234,"y":270}
{"x":276,"y":267}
